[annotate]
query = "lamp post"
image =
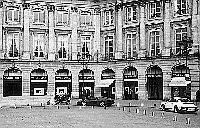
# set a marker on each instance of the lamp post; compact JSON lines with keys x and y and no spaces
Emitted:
{"x":83,"y":59}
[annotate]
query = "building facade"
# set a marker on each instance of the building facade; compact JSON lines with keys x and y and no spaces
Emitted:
{"x":129,"y":49}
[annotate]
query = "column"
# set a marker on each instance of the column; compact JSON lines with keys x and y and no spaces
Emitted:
{"x":167,"y":46}
{"x":1,"y":31}
{"x":74,"y":37}
{"x":119,"y":50}
{"x":142,"y":48}
{"x":52,"y":42}
{"x":26,"y":52}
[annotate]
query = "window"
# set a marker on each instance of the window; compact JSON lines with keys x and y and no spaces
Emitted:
{"x":85,"y":18}
{"x":155,"y":43}
{"x":39,"y":17}
{"x":13,"y":15}
{"x":131,"y":45}
{"x":39,"y":45}
{"x":109,"y":52}
{"x":85,"y":45}
{"x":108,"y":17}
{"x":62,"y":46}
{"x":181,"y":7}
{"x":13,"y":44}
{"x":180,"y":34}
{"x":131,"y":13}
{"x":155,"y":9}
{"x":62,"y":17}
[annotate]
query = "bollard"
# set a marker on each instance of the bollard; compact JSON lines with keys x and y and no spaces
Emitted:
{"x":175,"y":118}
{"x":162,"y":114}
{"x":68,"y":107}
{"x":15,"y":106}
{"x":187,"y":120}
{"x":123,"y":108}
{"x":30,"y":107}
{"x":118,"y":105}
{"x":152,"y":114}
{"x":142,"y":104}
{"x":58,"y":107}
{"x":104,"y":106}
{"x":130,"y":104}
{"x":92,"y":107}
{"x":80,"y":107}
{"x":145,"y":112}
{"x":137,"y":110}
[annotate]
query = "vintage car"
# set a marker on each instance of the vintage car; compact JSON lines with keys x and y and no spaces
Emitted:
{"x":179,"y":105}
{"x":96,"y":101}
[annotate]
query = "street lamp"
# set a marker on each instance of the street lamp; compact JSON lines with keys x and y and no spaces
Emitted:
{"x":83,"y":59}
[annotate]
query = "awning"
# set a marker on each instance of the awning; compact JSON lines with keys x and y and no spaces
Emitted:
{"x":179,"y":81}
{"x":105,"y":83}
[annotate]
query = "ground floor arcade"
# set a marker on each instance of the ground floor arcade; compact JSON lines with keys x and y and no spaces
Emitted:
{"x":132,"y":80}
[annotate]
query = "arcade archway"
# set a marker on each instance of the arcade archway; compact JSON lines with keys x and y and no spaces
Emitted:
{"x":63,"y":82}
{"x":38,"y":86}
{"x":130,"y":83}
{"x":86,"y":83}
{"x":154,"y":83}
{"x":180,"y":83}
{"x":12,"y":82}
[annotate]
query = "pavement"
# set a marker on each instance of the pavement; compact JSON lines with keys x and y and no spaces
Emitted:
{"x":142,"y":114}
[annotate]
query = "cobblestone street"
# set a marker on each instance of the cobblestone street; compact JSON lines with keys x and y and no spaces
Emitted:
{"x":97,"y":117}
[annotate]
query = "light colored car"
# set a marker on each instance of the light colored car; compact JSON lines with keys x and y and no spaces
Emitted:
{"x":178,"y":104}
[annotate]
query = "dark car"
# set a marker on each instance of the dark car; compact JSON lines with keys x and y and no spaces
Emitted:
{"x":96,"y":101}
{"x":62,"y":99}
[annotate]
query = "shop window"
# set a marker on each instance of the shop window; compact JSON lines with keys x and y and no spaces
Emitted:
{"x":38,"y":91}
{"x":155,"y":43}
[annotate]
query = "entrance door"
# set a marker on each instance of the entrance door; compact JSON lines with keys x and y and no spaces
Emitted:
{"x":12,"y":88}
{"x":130,"y":90}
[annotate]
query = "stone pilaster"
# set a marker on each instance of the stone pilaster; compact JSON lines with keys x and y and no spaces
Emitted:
{"x":142,"y":47}
{"x":1,"y":31}
{"x":167,"y":46}
{"x":52,"y":42}
{"x":119,"y":34}
{"x":74,"y":38}
{"x":26,"y":41}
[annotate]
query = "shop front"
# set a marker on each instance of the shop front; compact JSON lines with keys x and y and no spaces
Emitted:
{"x":86,"y":83}
{"x":38,"y":84}
{"x":130,"y":83}
{"x":107,"y":83}
{"x":63,"y":82}
{"x":180,"y":82}
{"x":12,"y":82}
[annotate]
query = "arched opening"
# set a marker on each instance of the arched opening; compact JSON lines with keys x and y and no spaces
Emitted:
{"x":154,"y":82}
{"x":12,"y":82}
{"x":63,"y":82}
{"x":38,"y":86}
{"x":180,"y":83}
{"x":130,"y":83}
{"x":107,"y":83}
{"x":86,"y":83}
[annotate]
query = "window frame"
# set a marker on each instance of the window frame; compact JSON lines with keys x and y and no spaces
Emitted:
{"x":12,"y":10}
{"x":153,"y":13}
{"x":133,"y":44}
{"x":10,"y":42}
{"x":108,"y":47}
{"x":85,"y":15}
{"x":108,"y":19}
{"x":154,"y":51}
{"x":64,"y":45}
{"x":84,"y":41}
{"x":37,"y":19}
{"x":182,"y":35}
{"x":62,"y":13}
{"x":179,"y":12}
{"x":40,"y":43}
{"x":133,"y":13}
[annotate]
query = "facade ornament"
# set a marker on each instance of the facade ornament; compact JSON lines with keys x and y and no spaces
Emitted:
{"x":74,"y":9}
{"x":26,"y":5}
{"x":51,"y":8}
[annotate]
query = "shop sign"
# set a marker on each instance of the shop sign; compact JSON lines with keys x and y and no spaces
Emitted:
{"x":12,"y":77}
{"x":154,"y":75}
{"x":63,"y":77}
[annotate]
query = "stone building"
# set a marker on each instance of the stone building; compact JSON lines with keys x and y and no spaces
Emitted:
{"x":128,"y":49}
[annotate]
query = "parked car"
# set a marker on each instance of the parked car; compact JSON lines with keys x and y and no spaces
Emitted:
{"x":96,"y":101}
{"x":62,"y":99}
{"x":178,"y":104}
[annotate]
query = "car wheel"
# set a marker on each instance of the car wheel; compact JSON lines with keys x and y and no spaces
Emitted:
{"x":163,"y":107}
{"x":102,"y":104}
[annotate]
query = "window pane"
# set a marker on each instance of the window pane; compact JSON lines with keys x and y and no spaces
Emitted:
{"x":36,"y":16}
{"x":16,"y":15}
{"x":9,"y":15}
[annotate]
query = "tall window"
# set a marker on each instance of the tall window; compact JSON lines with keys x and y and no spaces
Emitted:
{"x":109,"y":50}
{"x":155,"y":9}
{"x":39,"y":42}
{"x":181,"y":6}
{"x":155,"y":43}
{"x":39,"y":16}
{"x":85,"y":45}
{"x":85,"y":18}
{"x":13,"y":44}
{"x":13,"y":15}
{"x":108,"y":17}
{"x":180,"y":34}
{"x":62,"y":17}
{"x":62,"y":46}
{"x":131,"y":13}
{"x":131,"y":45}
